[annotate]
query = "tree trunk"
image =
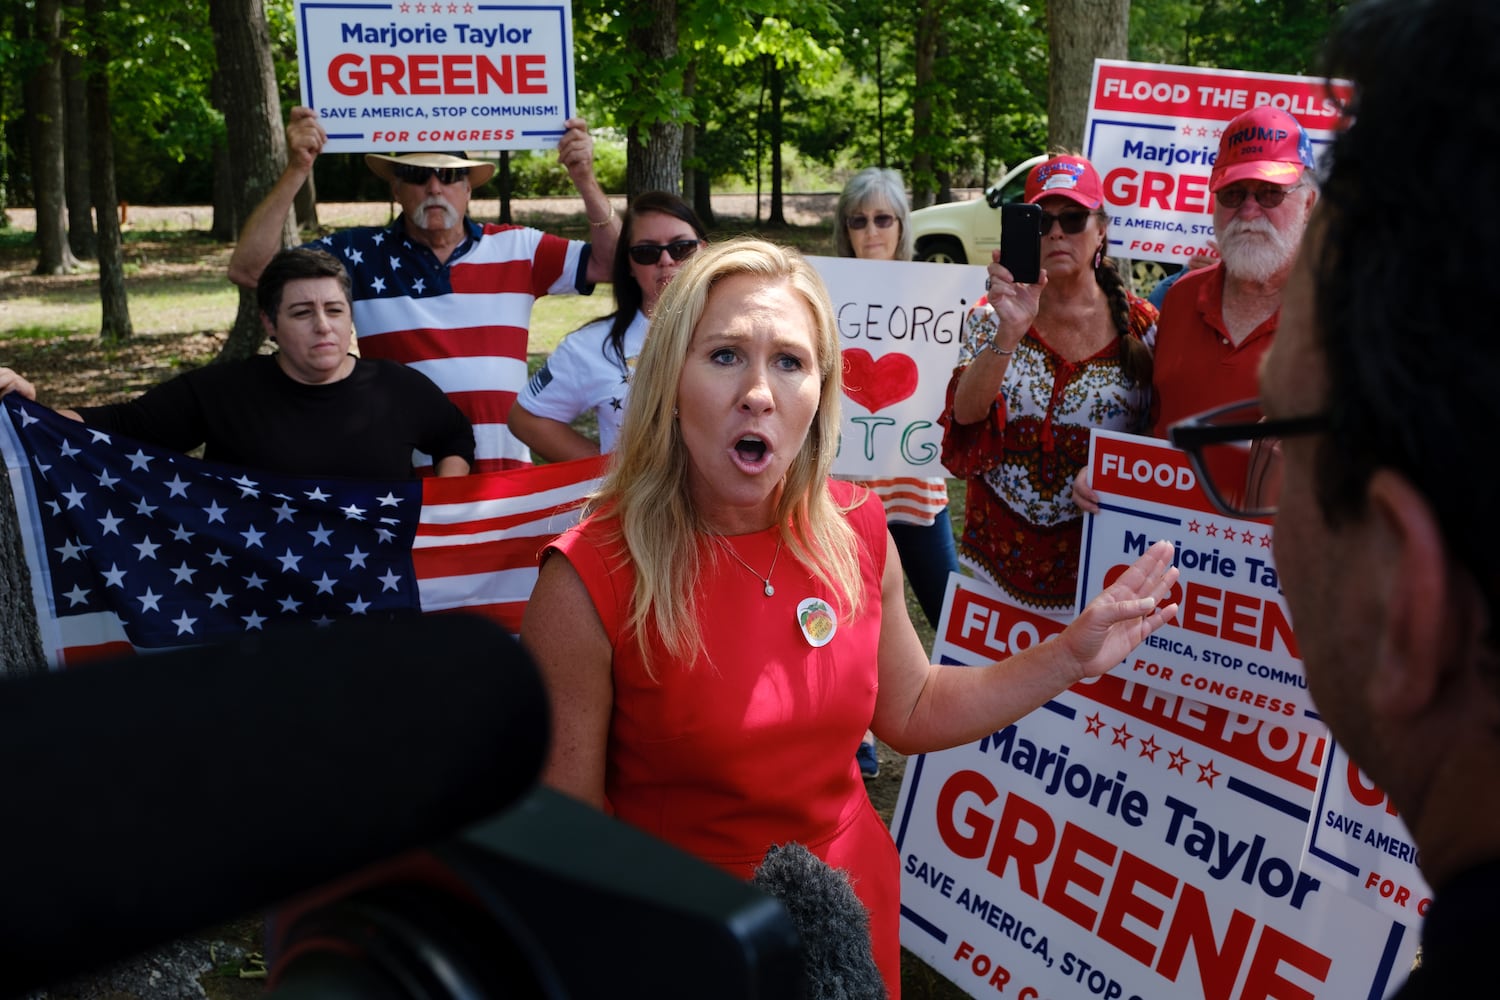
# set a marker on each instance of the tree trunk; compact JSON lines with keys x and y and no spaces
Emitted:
{"x":20,"y":642}
{"x":225,"y":225}
{"x":653,"y":150}
{"x":306,"y":204}
{"x":54,"y":255}
{"x":115,"y":326}
{"x":778,"y":90}
{"x":689,"y":135}
{"x":76,"y":157}
{"x":1079,"y":31}
{"x":923,"y":179}
{"x":256,"y":137}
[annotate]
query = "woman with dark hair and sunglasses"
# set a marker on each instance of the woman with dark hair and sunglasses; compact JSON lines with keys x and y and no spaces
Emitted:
{"x":591,"y":368}
{"x":1038,"y":367}
{"x":873,"y":222}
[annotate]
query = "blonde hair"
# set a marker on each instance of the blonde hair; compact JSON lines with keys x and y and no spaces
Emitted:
{"x":647,"y":485}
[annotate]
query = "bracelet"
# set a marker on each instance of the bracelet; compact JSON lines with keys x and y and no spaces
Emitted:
{"x":1003,"y":354}
{"x":606,"y":220}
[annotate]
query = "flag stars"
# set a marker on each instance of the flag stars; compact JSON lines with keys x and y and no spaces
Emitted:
{"x":384,"y":535}
{"x":252,"y":537}
{"x":106,"y":481}
{"x":181,"y":534}
{"x":358,"y":606}
{"x":183,"y":573}
{"x":356,"y":256}
{"x":320,"y":535}
{"x":391,"y":581}
{"x":146,"y":547}
{"x":140,"y":461}
{"x":378,"y":284}
{"x":248,"y":487}
{"x":78,"y":595}
{"x":353,"y":513}
{"x":99,"y":437}
{"x":69,"y":551}
{"x":284,"y":512}
{"x":114,"y":576}
{"x":185,"y":623}
{"x":143,"y":508}
{"x":75,"y":497}
{"x":149,"y":600}
{"x":218,"y":558}
{"x":215,"y":513}
{"x":389,"y":500}
{"x":66,"y":450}
{"x":325,"y":583}
{"x":253,"y":621}
{"x":316,"y":495}
{"x":176,"y":488}
{"x":290,"y":604}
{"x":289,"y":562}
{"x":254,"y":582}
{"x":109,"y":524}
{"x":356,"y":558}
{"x":218,"y":599}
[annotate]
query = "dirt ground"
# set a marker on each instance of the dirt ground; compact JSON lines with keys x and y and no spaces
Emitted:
{"x":79,"y":370}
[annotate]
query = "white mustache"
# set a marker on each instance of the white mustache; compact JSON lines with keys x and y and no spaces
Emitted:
{"x":437,"y":201}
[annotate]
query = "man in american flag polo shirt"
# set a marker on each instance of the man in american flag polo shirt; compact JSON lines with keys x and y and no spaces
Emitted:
{"x":437,"y":290}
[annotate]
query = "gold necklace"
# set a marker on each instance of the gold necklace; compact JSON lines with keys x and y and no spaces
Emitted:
{"x":766,"y":580}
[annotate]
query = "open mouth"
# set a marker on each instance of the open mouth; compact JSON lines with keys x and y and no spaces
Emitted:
{"x":751,"y":453}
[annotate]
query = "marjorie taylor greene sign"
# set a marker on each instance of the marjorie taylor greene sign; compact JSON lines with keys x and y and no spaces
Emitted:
{"x":899,"y":326}
{"x":1153,"y":134}
{"x":437,"y":74}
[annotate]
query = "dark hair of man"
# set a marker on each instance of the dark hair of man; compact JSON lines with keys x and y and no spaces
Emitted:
{"x":294,"y":265}
{"x":1405,"y":233}
{"x":628,"y":294}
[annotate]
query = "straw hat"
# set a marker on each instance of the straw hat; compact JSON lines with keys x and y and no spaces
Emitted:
{"x":384,"y":166}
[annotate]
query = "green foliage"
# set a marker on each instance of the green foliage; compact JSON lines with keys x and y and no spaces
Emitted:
{"x":537,"y":174}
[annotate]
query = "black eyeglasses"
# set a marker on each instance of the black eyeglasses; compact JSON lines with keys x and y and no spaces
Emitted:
{"x":650,"y":253}
{"x":1266,"y":197}
{"x":1236,"y":453}
{"x":1072,"y":223}
{"x":882,"y":221}
{"x":411,"y":174}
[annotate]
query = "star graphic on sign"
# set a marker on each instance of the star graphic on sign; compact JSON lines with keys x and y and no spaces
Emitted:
{"x":1265,"y":541}
{"x":114,"y":576}
{"x":289,"y":562}
{"x":1247,"y":536}
{"x":74,"y":497}
{"x":1212,"y":531}
{"x":109,"y":524}
{"x":405,"y":9}
{"x":147,"y":548}
{"x":1187,"y":130}
{"x":1095,"y":724}
{"x":1202,"y":133}
{"x":253,"y":537}
{"x":356,"y":558}
{"x":148,"y":600}
{"x":320,"y":535}
{"x":378,"y":284}
{"x":253,"y":621}
{"x":1206,"y":773}
{"x":139,"y":461}
{"x":1149,"y":747}
{"x":359,"y":606}
{"x":284,"y":512}
{"x":325,"y":583}
{"x":77,"y":596}
{"x":1178,"y":762}
{"x":1122,"y":736}
{"x":468,"y":8}
{"x":215,"y":512}
{"x":184,"y":624}
{"x":176,"y":488}
{"x":183,"y":573}
{"x":218,"y":599}
{"x":391,"y":581}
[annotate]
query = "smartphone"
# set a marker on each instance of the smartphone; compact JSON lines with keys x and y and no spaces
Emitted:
{"x":1021,"y":241}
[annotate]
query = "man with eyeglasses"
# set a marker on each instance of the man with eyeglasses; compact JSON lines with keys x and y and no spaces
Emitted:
{"x":437,"y":290}
{"x":1381,"y":388}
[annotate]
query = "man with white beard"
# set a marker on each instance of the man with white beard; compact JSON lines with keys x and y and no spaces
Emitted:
{"x":436,"y":290}
{"x":1217,"y":323}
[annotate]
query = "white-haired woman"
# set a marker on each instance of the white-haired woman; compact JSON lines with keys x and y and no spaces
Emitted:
{"x":727,"y":621}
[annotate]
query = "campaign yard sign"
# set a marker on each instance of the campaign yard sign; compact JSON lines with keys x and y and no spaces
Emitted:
{"x":899,"y":326}
{"x":1153,"y":134}
{"x":1125,"y":842}
{"x":1232,"y":643}
{"x":451,"y":75}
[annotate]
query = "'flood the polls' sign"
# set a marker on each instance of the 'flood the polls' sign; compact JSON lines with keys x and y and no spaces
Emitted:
{"x":899,"y":326}
{"x":1125,"y":842}
{"x":451,"y":76}
{"x":1153,"y":134}
{"x":1232,"y":643}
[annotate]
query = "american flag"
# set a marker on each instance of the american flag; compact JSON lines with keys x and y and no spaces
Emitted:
{"x":133,"y":547}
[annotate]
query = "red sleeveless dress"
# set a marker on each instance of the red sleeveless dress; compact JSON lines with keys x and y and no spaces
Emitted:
{"x":752,"y":744}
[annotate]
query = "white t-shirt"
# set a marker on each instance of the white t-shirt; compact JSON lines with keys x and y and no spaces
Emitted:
{"x":585,"y":373}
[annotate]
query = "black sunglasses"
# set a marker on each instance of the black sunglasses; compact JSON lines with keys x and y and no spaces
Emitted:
{"x":650,"y":253}
{"x":1266,"y":197}
{"x":1236,"y":452}
{"x":411,"y":174}
{"x":1072,"y":223}
{"x":882,"y":221}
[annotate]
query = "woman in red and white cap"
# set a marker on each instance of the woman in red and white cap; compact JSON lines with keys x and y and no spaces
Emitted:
{"x":1039,"y":366}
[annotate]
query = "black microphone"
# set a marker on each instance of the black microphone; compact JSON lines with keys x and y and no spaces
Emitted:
{"x":830,"y":920}
{"x":149,"y":797}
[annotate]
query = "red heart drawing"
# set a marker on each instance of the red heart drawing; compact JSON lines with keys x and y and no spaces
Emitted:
{"x":877,"y":384}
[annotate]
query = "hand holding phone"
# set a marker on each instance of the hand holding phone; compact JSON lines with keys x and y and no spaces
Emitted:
{"x":1021,"y":241}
